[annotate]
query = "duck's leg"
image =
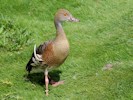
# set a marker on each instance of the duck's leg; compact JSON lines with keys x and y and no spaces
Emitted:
{"x":46,"y":81}
{"x":54,"y":83}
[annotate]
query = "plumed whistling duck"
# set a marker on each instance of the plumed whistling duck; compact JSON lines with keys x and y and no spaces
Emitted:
{"x":53,"y":53}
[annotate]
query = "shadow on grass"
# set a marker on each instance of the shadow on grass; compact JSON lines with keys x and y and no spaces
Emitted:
{"x":38,"y":78}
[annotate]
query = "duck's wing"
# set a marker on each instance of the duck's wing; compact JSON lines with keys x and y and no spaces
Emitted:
{"x":39,"y":50}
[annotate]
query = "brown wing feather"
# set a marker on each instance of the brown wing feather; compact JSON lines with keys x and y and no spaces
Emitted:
{"x":48,"y":54}
{"x":40,"y":50}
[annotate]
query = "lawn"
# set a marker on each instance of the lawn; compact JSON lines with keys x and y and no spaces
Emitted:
{"x":103,"y":36}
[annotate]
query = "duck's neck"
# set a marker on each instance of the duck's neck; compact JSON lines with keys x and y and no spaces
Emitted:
{"x":59,"y":30}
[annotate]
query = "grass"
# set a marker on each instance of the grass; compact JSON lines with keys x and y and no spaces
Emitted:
{"x":104,"y":35}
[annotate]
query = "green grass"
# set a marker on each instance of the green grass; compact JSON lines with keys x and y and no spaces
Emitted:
{"x":103,"y":35}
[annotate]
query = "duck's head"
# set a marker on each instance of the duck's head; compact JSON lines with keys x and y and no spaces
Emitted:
{"x":64,"y":15}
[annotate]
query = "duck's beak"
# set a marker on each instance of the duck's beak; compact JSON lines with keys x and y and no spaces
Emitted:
{"x":72,"y":19}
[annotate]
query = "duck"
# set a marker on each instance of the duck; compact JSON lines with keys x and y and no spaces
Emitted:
{"x":51,"y":54}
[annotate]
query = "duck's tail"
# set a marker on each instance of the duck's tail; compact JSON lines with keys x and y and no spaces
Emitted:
{"x":29,"y":66}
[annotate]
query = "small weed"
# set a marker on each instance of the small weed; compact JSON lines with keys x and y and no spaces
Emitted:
{"x":12,"y":37}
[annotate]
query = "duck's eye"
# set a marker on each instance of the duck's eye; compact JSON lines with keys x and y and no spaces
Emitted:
{"x":65,"y":14}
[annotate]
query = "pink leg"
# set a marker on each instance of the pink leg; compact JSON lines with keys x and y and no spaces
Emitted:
{"x":46,"y":82}
{"x":54,"y":84}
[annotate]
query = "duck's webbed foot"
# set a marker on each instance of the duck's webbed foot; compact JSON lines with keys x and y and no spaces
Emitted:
{"x":55,"y":83}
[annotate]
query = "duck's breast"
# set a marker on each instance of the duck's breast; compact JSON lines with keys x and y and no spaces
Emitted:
{"x":56,"y":53}
{"x":61,"y":49}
